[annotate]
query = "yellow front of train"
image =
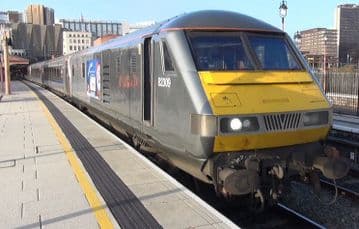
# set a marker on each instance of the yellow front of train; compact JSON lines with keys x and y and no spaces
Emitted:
{"x":260,"y":90}
{"x":271,"y":114}
{"x":266,"y":109}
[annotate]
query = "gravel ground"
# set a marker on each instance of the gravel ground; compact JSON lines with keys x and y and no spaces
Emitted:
{"x":344,"y":213}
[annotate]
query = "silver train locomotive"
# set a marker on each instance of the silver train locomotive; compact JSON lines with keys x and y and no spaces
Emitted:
{"x":225,"y":97}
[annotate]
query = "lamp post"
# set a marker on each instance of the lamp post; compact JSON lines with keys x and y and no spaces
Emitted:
{"x":283,"y":8}
{"x":325,"y":63}
{"x":325,"y":54}
{"x":297,"y":39}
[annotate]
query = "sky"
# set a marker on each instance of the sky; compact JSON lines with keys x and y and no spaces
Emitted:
{"x":302,"y":14}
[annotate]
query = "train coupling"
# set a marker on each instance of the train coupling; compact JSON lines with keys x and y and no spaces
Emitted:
{"x":333,"y":166}
{"x":239,"y":182}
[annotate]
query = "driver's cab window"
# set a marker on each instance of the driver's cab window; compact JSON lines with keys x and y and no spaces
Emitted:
{"x":167,"y":62}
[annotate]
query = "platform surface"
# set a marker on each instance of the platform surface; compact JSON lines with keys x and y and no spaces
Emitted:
{"x":346,"y":123}
{"x":41,"y":188}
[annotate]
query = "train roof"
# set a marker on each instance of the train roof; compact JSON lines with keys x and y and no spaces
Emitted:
{"x":217,"y":19}
{"x":200,"y":20}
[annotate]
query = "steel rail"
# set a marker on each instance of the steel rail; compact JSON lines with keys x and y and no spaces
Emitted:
{"x":300,"y":216}
{"x":352,"y":193}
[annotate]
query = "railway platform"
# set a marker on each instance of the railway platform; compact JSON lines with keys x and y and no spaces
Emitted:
{"x":60,"y":169}
{"x":346,"y":123}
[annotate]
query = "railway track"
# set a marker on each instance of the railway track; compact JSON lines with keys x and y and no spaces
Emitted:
{"x":341,"y":189}
{"x":299,"y":216}
{"x":348,"y":186}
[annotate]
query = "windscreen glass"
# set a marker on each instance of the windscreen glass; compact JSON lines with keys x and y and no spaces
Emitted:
{"x":273,"y":53}
{"x":216,"y":51}
{"x":225,"y":51}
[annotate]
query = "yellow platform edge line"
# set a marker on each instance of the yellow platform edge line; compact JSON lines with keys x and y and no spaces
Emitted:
{"x":101,"y":215}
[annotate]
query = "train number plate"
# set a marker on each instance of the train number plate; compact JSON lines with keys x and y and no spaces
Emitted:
{"x":164,"y":82}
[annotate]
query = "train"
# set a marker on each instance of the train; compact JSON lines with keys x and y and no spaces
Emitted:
{"x":225,"y":97}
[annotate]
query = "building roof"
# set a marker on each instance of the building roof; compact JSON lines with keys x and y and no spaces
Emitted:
{"x":104,"y":39}
{"x":318,"y":30}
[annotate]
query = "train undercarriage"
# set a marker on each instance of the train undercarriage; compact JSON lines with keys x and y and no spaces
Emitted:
{"x":263,"y":173}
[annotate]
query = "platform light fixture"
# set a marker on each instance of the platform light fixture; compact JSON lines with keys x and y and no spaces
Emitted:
{"x":283,"y":10}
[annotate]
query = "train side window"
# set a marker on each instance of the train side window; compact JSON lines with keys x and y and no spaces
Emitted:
{"x":83,"y":70}
{"x":167,"y":60}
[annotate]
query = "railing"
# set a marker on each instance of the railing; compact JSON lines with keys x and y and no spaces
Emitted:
{"x":342,"y":89}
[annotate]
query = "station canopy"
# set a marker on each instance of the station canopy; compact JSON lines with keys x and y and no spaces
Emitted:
{"x":17,"y":60}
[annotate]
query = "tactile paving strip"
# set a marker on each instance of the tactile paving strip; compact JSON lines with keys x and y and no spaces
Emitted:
{"x":126,"y":208}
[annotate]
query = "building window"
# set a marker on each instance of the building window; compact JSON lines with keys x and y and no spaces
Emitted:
{"x":104,"y":29}
{"x":99,"y":31}
{"x":75,"y":48}
{"x":70,"y":35}
{"x":83,"y":41}
{"x":70,"y":47}
{"x":93,"y":28}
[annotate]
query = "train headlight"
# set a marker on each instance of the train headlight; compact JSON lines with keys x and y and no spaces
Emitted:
{"x":316,"y":118}
{"x":238,"y":124}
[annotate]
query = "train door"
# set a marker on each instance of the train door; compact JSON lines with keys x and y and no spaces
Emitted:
{"x":67,"y":79}
{"x":148,"y":82}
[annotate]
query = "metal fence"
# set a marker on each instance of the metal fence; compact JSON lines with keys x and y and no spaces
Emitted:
{"x":342,"y":89}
